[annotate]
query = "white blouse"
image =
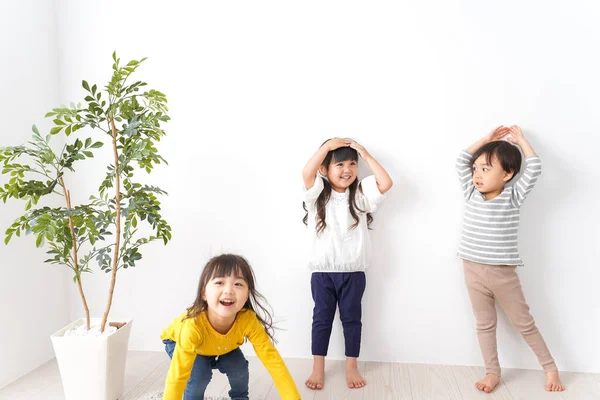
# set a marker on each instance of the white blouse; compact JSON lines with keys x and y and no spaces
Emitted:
{"x":338,"y":248}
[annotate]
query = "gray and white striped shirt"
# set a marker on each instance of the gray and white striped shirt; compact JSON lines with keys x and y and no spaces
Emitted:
{"x":491,"y":227}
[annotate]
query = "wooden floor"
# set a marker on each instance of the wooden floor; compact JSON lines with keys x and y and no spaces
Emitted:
{"x":146,"y":372}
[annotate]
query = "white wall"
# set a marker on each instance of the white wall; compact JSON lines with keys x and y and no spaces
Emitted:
{"x":256,"y":87}
{"x":33,"y":300}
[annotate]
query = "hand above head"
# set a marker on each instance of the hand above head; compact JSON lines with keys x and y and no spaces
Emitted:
{"x":362,"y":152}
{"x":309,"y":171}
{"x":383,"y":179}
{"x":516,"y":135}
{"x":333,"y":144}
{"x":498,"y":133}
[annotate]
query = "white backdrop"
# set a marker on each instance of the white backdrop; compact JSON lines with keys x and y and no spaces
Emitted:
{"x":33,"y":299}
{"x":255,"y":88}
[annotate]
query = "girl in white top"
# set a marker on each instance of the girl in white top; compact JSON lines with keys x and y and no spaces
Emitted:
{"x":338,"y":213}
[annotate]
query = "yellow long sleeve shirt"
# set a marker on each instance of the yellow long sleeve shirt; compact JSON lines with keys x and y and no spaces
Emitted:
{"x":197,"y":336}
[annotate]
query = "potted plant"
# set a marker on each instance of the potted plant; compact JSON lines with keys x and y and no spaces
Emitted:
{"x":105,"y":231}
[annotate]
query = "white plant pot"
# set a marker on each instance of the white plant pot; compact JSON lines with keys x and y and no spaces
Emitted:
{"x":92,"y":367}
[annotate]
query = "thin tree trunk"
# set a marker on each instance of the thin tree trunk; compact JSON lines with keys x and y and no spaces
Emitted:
{"x":75,"y":258}
{"x":115,"y":260}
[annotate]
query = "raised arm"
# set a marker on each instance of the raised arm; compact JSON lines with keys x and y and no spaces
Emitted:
{"x":533,"y":166}
{"x":463,"y":162}
{"x":383,"y":179}
{"x":494,"y":135}
{"x":309,"y":172}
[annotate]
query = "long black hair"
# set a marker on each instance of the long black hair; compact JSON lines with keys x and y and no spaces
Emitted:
{"x":340,"y":154}
{"x":226,"y":265}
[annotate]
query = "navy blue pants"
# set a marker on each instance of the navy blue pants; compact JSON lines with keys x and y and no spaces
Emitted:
{"x":232,"y":364}
{"x":330,"y":290}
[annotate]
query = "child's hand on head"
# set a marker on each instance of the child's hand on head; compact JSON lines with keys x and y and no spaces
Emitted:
{"x":362,"y":152}
{"x":497,"y":133}
{"x":336,"y":143}
{"x":516,"y":135}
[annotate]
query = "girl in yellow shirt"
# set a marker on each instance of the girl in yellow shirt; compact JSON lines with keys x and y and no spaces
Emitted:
{"x":208,"y":335}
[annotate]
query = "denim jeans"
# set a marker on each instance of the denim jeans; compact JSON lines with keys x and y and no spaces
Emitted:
{"x":232,"y":364}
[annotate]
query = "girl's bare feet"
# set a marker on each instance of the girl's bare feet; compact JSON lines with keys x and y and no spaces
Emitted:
{"x":553,"y":383}
{"x":488,"y":383}
{"x":316,"y":380}
{"x":353,"y":378}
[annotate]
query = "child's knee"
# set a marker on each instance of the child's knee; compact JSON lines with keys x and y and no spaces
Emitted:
{"x":527,"y":327}
{"x":238,"y":371}
{"x":234,"y":366}
{"x":197,"y":384}
{"x":486,"y":322}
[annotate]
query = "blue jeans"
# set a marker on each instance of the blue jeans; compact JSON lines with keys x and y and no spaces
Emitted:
{"x":232,"y":364}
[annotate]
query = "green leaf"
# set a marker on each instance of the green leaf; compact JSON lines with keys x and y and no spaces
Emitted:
{"x":85,"y":85}
{"x":49,"y":114}
{"x":35,"y":129}
{"x":88,"y":141}
{"x":59,"y":122}
{"x":55,"y":130}
{"x":89,"y":154}
{"x":97,"y":145}
{"x":39,"y":242}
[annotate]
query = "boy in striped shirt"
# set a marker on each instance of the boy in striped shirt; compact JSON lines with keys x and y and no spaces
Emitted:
{"x":489,"y":248}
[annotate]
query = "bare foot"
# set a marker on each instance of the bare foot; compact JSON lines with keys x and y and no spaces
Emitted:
{"x":353,"y":378}
{"x":316,"y":380}
{"x":553,"y":383}
{"x":488,"y":383}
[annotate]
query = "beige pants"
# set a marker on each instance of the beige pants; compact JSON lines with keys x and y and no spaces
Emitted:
{"x":488,"y":283}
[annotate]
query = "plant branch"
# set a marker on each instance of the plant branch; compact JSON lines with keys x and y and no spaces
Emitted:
{"x":67,"y":195}
{"x":115,"y":260}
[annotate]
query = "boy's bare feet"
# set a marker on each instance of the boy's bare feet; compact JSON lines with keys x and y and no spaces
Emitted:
{"x":316,"y":380}
{"x":553,"y":383}
{"x":353,"y":378}
{"x":488,"y":383}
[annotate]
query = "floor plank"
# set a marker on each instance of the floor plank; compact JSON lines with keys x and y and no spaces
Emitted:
{"x":387,"y":381}
{"x":466,"y":378}
{"x":146,"y":371}
{"x":335,"y":387}
{"x":527,"y":384}
{"x":580,"y":386}
{"x":155,"y":380}
{"x":37,"y":381}
{"x":300,"y":369}
{"x":433,"y":382}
